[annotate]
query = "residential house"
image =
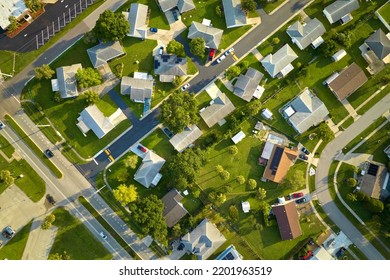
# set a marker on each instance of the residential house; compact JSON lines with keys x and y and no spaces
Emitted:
{"x":230,"y":254}
{"x":379,"y":44}
{"x":148,"y":173}
{"x":281,"y":159}
{"x":347,"y":81}
{"x":308,"y":33}
{"x":279,"y":63}
{"x":169,"y":66}
{"x":138,"y":19}
{"x":204,"y":240}
{"x":341,"y":10}
{"x":247,"y":86}
{"x":12,"y":8}
{"x":181,"y":5}
{"x":138,"y":89}
{"x":304,"y":111}
{"x":91,"y":118}
{"x":234,"y":15}
{"x":173,"y":208}
{"x":211,"y":35}
{"x":104,"y":52}
{"x":66,"y":82}
{"x":218,"y":109}
{"x":288,"y":220}
{"x":373,"y":180}
{"x":320,"y":254}
{"x":186,"y":138}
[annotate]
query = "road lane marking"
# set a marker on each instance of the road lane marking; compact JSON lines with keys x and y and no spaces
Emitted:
{"x":235,"y":57}
{"x":107,"y":151}
{"x":111,"y":158}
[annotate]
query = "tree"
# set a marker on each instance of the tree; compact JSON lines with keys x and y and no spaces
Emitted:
{"x":177,"y":81}
{"x":343,"y":38}
{"x":197,"y":46}
{"x":261,"y":193}
{"x":240,"y":179}
{"x":6,"y":177}
{"x":122,"y":175}
{"x":90,"y":38}
{"x":111,"y":26}
{"x":33,"y":5}
{"x":328,"y":48}
{"x":361,"y":196}
{"x":43,"y":72}
{"x":233,"y":212}
{"x":48,"y":221}
{"x":232,"y":72}
{"x":176,"y":231}
{"x":324,"y":132}
{"x":244,"y":64}
{"x":351,"y":182}
{"x":233,"y":150}
{"x":148,"y":214}
{"x":252,"y":184}
{"x":179,"y":111}
{"x":196,"y":193}
{"x":248,"y":5}
{"x":13,"y":24}
{"x":221,"y":197}
{"x":218,"y":10}
{"x":225,"y":175}
{"x":91,"y":97}
{"x":374,"y":205}
{"x":174,"y":47}
{"x":295,"y":179}
{"x":275,"y":40}
{"x":352,"y":197}
{"x":386,"y":79}
{"x":125,"y":194}
{"x":219,"y":168}
{"x":131,"y":161}
{"x":59,"y":256}
{"x":253,"y":108}
{"x":88,"y":77}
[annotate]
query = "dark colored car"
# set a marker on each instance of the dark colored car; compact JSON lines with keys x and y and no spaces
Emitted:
{"x":142,"y":148}
{"x":50,"y":199}
{"x":153,"y":29}
{"x":304,"y":157}
{"x":340,"y":252}
{"x":2,"y":125}
{"x":49,"y":153}
{"x":305,"y":151}
{"x":301,"y":200}
{"x":168,"y":132}
{"x":297,"y":195}
{"x":8,"y":232}
{"x":212,"y":54}
{"x":180,"y":247}
{"x":175,"y":15}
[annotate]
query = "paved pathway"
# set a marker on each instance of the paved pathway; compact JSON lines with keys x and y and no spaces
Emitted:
{"x":123,"y":106}
{"x":350,"y":109}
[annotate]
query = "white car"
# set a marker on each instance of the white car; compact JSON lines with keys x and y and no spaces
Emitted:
{"x":103,"y":235}
{"x":183,"y":88}
{"x":229,"y":51}
{"x":222,"y":57}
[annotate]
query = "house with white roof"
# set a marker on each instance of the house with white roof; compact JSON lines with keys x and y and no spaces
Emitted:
{"x":148,"y":173}
{"x":341,"y":10}
{"x":211,"y":35}
{"x":66,"y":82}
{"x":138,"y":19}
{"x":219,"y":108}
{"x":104,"y":52}
{"x":234,"y":15}
{"x":247,"y":86}
{"x":181,"y":5}
{"x":169,"y":66}
{"x":12,"y":8}
{"x":186,"y":138}
{"x":308,"y":33}
{"x":137,"y":89}
{"x":279,"y":63}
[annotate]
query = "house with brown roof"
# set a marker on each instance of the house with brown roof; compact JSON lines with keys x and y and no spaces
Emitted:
{"x":348,"y":81}
{"x":173,"y":208}
{"x":287,"y":219}
{"x":373,"y":180}
{"x":282,"y":158}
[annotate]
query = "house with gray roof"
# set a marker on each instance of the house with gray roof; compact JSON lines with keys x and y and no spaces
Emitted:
{"x":304,"y":111}
{"x":306,"y":34}
{"x":12,"y":8}
{"x":169,"y":66}
{"x":173,"y":208}
{"x":279,"y":63}
{"x":379,"y":44}
{"x":104,"y":52}
{"x":219,"y":108}
{"x":91,"y":118}
{"x":204,"y":240}
{"x":340,"y":10}
{"x":148,"y":173}
{"x":181,"y":5}
{"x":247,"y":85}
{"x":186,"y":138}
{"x":138,"y":89}
{"x":234,"y":15}
{"x":138,"y":19}
{"x":211,"y":35}
{"x":66,"y":80}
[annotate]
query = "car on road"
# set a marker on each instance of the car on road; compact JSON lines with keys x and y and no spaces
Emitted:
{"x":175,"y":15}
{"x":297,"y":195}
{"x":212,"y":53}
{"x":305,"y":151}
{"x":49,"y":153}
{"x":103,"y":235}
{"x":142,"y":148}
{"x":183,"y":88}
{"x":2,"y":125}
{"x":50,"y":198}
{"x":222,"y":57}
{"x":153,"y":29}
{"x":229,"y":51}
{"x":301,"y":200}
{"x":303,"y":157}
{"x":8,"y":232}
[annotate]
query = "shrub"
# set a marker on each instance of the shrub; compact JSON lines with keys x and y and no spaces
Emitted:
{"x":374,"y":205}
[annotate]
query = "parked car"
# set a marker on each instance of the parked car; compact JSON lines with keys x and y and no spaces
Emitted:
{"x":153,"y":29}
{"x":142,"y":148}
{"x":304,"y":157}
{"x":175,"y":15}
{"x":49,"y":153}
{"x":305,"y":151}
{"x":340,"y":252}
{"x":229,"y":51}
{"x":103,"y":235}
{"x":212,"y":53}
{"x":8,"y":232}
{"x":168,"y":132}
{"x":160,"y":50}
{"x":301,"y":200}
{"x":2,"y":125}
{"x":222,"y":57}
{"x":183,"y":88}
{"x":297,"y":195}
{"x":50,"y":199}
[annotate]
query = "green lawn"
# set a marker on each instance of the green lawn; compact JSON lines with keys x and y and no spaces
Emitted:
{"x":312,"y":181}
{"x":74,"y":238}
{"x":6,"y":147}
{"x":373,"y":101}
{"x":385,"y":12}
{"x":159,"y":143}
{"x":106,"y":105}
{"x":14,"y":249}
{"x":270,"y":6}
{"x":347,"y":123}
{"x":237,"y":101}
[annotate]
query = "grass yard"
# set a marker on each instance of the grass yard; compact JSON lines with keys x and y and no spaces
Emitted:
{"x":237,"y":101}
{"x":74,"y":238}
{"x":271,"y":6}
{"x":106,"y":105}
{"x":312,"y":180}
{"x":347,"y":123}
{"x":385,"y":12}
{"x":159,"y":143}
{"x":373,"y":101}
{"x":14,"y":248}
{"x":6,"y":147}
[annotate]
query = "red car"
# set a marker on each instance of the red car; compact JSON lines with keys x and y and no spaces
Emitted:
{"x":297,"y":195}
{"x":142,"y":148}
{"x":211,"y":54}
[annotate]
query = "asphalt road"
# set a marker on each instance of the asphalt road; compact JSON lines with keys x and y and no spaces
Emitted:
{"x":327,"y":156}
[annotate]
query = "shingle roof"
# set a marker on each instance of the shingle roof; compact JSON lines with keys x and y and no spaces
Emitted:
{"x":67,"y":85}
{"x":288,"y":220}
{"x":138,"y":89}
{"x":274,"y":63}
{"x":234,"y":15}
{"x":173,"y":208}
{"x":379,"y":43}
{"x":349,"y":80}
{"x":204,"y":240}
{"x":137,"y":18}
{"x":221,"y":107}
{"x":304,"y":35}
{"x":279,"y":163}
{"x":185,"y":5}
{"x":150,"y":167}
{"x":185,"y":138}
{"x":309,"y":111}
{"x":211,"y":35}
{"x":247,"y":84}
{"x":340,"y":8}
{"x":371,"y":184}
{"x":170,"y":65}
{"x":104,"y":52}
